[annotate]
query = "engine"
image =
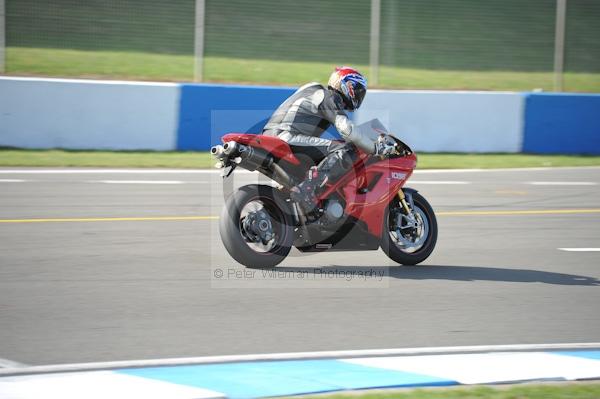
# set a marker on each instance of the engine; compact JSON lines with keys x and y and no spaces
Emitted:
{"x":333,"y":211}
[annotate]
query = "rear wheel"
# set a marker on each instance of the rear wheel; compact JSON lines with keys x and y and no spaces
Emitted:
{"x":409,"y":239}
{"x":256,"y":226}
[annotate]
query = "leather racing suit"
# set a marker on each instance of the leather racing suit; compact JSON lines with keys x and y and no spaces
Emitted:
{"x":302,"y":119}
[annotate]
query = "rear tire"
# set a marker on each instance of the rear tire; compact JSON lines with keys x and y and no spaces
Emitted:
{"x":231,"y":226}
{"x":392,"y":248}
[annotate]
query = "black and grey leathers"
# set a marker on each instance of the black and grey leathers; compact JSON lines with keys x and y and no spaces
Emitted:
{"x":304,"y":116}
{"x":301,"y":120}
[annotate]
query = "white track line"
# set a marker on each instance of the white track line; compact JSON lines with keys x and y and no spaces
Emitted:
{"x":580,"y":249}
{"x":12,"y":181}
{"x":532,"y":169}
{"x":140,"y":171}
{"x":562,"y":183}
{"x":10,"y":364}
{"x":440,"y":182}
{"x":137,"y":181}
{"x":59,"y":368}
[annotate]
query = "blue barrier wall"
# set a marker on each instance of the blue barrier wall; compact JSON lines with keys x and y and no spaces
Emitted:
{"x":562,"y":124}
{"x":209,"y":111}
{"x":88,"y":114}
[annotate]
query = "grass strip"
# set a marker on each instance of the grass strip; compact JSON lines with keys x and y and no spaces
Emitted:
{"x":129,"y":65}
{"x":542,"y":391}
{"x":202,"y":160}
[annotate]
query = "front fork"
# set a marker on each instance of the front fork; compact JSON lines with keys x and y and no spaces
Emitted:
{"x":405,"y":206}
{"x":407,"y":203}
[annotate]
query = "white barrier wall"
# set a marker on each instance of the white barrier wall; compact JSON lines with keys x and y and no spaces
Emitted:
{"x":438,"y":121}
{"x":80,"y":114}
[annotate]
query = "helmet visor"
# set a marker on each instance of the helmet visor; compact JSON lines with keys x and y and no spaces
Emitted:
{"x":359,"y":95}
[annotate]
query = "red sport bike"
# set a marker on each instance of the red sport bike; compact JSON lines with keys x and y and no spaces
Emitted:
{"x":367,"y":209}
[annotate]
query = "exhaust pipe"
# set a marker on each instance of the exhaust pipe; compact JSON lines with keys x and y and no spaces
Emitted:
{"x":217,"y":151}
{"x":230,"y":147}
{"x":220,"y":151}
{"x":257,"y":158}
{"x":252,"y":159}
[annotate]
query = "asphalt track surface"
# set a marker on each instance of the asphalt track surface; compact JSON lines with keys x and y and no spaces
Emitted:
{"x":134,"y":269}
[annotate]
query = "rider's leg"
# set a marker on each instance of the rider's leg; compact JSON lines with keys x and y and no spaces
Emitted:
{"x":338,"y":161}
{"x":304,"y":192}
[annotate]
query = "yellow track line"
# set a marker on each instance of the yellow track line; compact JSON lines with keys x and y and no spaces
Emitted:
{"x":185,"y":218}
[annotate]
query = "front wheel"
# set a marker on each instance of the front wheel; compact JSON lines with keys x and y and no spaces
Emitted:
{"x":256,"y":226}
{"x":409,"y":239}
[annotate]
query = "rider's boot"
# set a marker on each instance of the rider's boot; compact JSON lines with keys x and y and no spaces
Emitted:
{"x":305,"y":193}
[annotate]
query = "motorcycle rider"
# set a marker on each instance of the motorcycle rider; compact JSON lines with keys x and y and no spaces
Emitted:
{"x":307,"y":114}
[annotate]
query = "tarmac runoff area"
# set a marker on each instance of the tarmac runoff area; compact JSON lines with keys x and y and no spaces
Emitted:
{"x":103,"y":265}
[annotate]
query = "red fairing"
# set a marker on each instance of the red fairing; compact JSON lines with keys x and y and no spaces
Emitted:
{"x":274,"y":145}
{"x":367,"y":190}
{"x":379,"y":181}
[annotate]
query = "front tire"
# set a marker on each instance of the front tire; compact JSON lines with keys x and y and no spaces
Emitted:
{"x":256,"y":226}
{"x":399,"y":249}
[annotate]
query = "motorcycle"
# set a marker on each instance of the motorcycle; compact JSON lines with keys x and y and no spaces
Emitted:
{"x":366,"y":209}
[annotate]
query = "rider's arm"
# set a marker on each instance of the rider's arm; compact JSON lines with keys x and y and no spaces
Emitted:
{"x":334,"y":114}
